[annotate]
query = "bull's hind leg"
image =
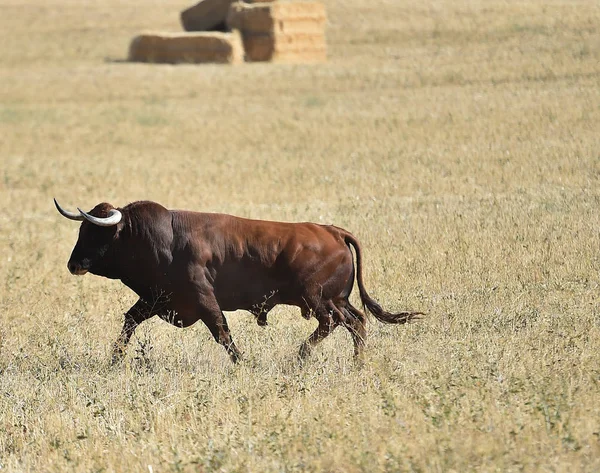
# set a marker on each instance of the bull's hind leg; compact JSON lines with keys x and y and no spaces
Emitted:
{"x":353,"y":319}
{"x":325,"y":327}
{"x":356,"y":325}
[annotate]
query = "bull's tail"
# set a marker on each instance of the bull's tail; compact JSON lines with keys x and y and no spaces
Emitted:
{"x":368,"y":302}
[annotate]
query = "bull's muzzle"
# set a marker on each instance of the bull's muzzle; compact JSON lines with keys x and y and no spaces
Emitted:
{"x":76,"y":268}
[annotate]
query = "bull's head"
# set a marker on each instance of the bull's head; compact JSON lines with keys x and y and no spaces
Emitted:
{"x":98,"y":232}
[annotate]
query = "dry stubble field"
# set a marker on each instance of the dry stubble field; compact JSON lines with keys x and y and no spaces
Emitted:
{"x":459,"y":140}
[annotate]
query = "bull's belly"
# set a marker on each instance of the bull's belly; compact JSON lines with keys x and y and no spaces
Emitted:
{"x":250,"y":296}
{"x":247,"y":285}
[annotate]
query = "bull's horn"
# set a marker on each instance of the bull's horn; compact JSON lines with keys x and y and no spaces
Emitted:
{"x":114,"y":217}
{"x":67,"y":214}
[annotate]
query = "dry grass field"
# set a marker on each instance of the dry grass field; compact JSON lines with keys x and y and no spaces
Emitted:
{"x":459,"y":140}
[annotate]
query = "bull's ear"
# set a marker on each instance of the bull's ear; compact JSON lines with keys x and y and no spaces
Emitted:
{"x":118,"y":228}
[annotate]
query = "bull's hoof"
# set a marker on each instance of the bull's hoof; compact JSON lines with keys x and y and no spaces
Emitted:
{"x":235,"y":358}
{"x":118,"y":355}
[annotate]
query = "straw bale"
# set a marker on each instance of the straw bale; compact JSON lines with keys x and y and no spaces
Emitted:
{"x":281,"y":32}
{"x":282,"y":47}
{"x":300,"y":17}
{"x":207,"y":15}
{"x":175,"y":48}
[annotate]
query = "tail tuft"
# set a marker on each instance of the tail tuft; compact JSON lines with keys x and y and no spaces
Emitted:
{"x":389,"y":317}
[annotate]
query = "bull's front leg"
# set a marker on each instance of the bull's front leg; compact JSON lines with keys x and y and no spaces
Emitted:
{"x":139,"y":312}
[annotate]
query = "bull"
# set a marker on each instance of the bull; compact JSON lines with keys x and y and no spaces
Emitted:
{"x":188,"y":266}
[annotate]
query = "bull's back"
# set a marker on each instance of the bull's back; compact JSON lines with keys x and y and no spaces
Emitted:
{"x":294,"y":258}
{"x":251,"y":261}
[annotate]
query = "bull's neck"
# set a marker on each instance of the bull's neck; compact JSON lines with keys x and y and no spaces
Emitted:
{"x":144,"y":254}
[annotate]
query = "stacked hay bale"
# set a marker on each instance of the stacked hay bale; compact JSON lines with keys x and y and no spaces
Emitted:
{"x":175,"y":48}
{"x":271,"y":30}
{"x":281,"y":31}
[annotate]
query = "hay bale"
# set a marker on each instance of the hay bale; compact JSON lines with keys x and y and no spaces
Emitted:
{"x":284,"y":17}
{"x":175,"y":48}
{"x":294,"y":47}
{"x":281,"y":32}
{"x":207,"y":15}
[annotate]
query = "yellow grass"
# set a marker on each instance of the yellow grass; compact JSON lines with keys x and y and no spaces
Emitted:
{"x":459,"y":140}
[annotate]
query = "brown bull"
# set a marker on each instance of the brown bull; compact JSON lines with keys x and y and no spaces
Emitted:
{"x":189,"y":266}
